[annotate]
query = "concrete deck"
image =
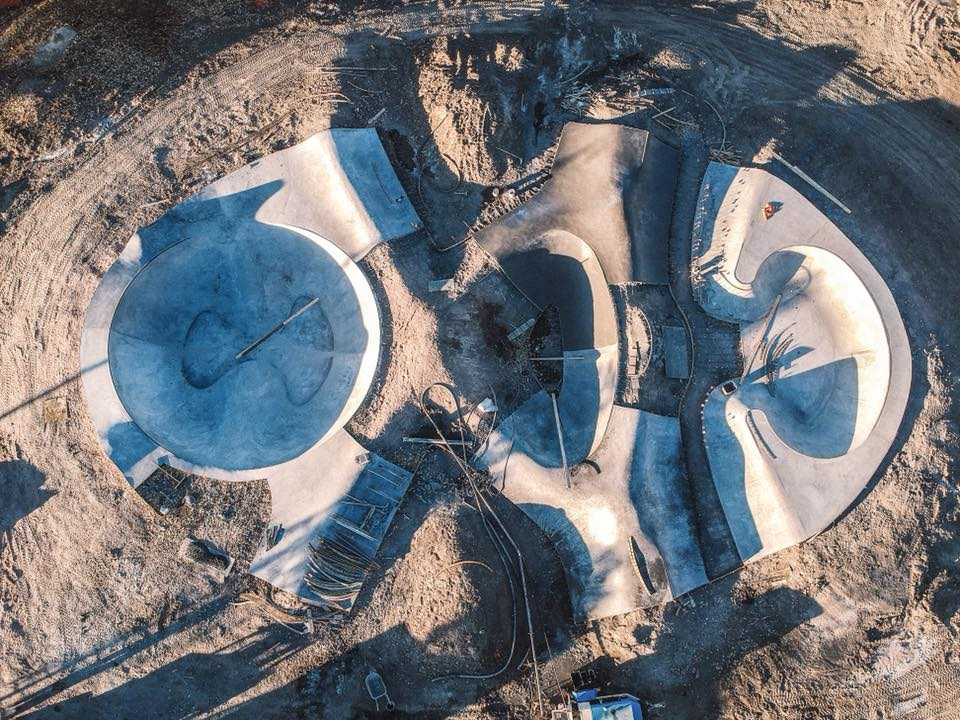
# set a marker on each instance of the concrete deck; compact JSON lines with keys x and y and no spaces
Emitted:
{"x":338,"y":184}
{"x":625,"y":534}
{"x":611,"y":186}
{"x":828,"y":361}
{"x":789,"y":448}
{"x":306,"y":499}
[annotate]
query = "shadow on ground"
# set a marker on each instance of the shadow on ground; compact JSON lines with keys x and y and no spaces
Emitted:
{"x":22,"y":492}
{"x":172,"y":690}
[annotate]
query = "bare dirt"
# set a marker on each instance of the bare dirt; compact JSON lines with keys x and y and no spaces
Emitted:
{"x":100,"y":615}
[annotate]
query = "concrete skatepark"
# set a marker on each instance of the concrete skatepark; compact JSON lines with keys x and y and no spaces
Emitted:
{"x":235,"y":336}
{"x":826,"y":380}
{"x":115,"y":601}
{"x":790,"y":448}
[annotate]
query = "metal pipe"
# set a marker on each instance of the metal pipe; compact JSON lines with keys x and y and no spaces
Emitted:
{"x":563,"y":449}
{"x":280,"y":326}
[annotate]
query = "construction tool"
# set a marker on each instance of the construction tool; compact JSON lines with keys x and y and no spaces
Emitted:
{"x":378,"y":690}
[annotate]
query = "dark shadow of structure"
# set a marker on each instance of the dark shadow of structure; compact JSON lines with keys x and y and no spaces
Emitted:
{"x":21,"y":492}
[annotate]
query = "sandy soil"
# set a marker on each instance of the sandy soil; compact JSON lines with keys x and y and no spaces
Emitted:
{"x":101,"y":617}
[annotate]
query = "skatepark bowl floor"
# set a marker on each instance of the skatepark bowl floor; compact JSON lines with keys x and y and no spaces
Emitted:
{"x":180,"y":345}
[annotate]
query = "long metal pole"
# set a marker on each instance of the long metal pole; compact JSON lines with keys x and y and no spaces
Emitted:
{"x":813,"y":183}
{"x":563,"y":449}
{"x":280,"y":326}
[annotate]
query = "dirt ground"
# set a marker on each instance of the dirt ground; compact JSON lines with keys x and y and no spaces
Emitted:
{"x":102,"y":617}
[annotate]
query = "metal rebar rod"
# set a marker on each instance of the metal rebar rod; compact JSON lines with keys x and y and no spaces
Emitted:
{"x":506,"y":533}
{"x":431,"y":441}
{"x":813,"y":183}
{"x":563,"y":449}
{"x":280,"y":326}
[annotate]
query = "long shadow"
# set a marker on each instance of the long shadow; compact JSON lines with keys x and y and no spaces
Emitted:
{"x":824,"y":431}
{"x":27,"y":402}
{"x":812,"y":437}
{"x":821,"y":65}
{"x":476,"y":319}
{"x":188,"y":686}
{"x":689,"y":675}
{"x":686,"y":659}
{"x":22,"y":492}
{"x":424,"y":658}
{"x":172,"y":352}
{"x":584,"y":579}
{"x":29,"y":691}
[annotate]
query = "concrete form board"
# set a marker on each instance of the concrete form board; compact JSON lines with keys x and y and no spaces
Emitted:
{"x":305,"y":504}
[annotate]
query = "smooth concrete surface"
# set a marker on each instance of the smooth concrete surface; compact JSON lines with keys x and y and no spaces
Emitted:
{"x":558,"y":268}
{"x":611,"y":186}
{"x":676,"y":352}
{"x":823,"y":399}
{"x":338,"y":184}
{"x":625,"y":533}
{"x":187,"y":314}
{"x":584,"y":405}
{"x":212,"y":275}
{"x":603,"y":217}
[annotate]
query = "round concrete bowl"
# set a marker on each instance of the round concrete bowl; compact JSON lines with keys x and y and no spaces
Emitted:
{"x":180,"y":352}
{"x":830,"y":384}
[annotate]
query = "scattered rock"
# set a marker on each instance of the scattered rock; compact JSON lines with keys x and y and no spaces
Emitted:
{"x":51,"y":52}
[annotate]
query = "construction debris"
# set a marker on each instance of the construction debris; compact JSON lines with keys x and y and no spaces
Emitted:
{"x":343,"y":553}
{"x":813,"y":183}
